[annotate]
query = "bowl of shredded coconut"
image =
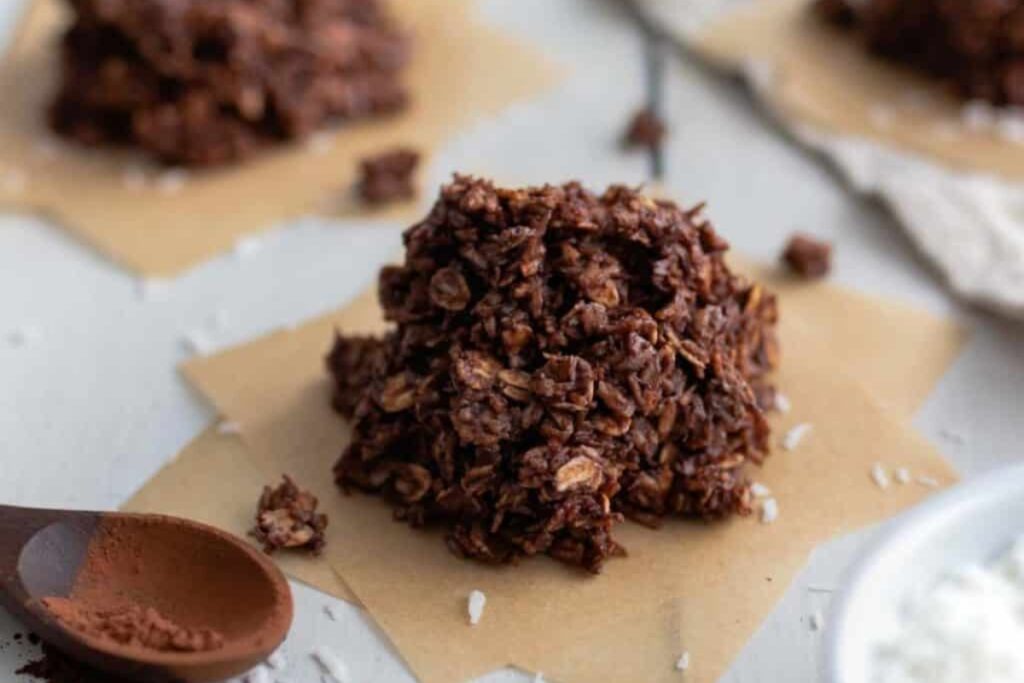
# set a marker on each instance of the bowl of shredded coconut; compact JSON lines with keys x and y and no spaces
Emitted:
{"x":939,"y":598}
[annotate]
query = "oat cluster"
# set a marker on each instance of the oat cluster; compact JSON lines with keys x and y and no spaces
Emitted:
{"x":977,"y":45}
{"x":559,"y":360}
{"x":205,"y":82}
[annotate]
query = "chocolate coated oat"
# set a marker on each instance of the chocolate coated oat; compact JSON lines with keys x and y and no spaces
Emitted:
{"x":558,"y":359}
{"x":977,"y":45}
{"x":205,"y":82}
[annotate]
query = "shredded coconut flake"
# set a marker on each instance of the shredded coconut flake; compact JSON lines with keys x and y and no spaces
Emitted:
{"x":966,"y":626}
{"x":903,"y":475}
{"x":172,"y":181}
{"x":782,"y":403}
{"x":879,"y":476}
{"x":769,"y":511}
{"x":320,"y":143}
{"x":759,"y":490}
{"x":331,"y":665}
{"x":150,"y":289}
{"x":476,"y":603}
{"x":817,"y":621}
{"x":795,"y":435}
{"x":683,"y":663}
{"x":196,"y":342}
{"x":930,"y":482}
{"x":277,"y":661}
{"x":247,"y":246}
{"x":227,"y":427}
{"x":821,"y":589}
{"x":258,"y":675}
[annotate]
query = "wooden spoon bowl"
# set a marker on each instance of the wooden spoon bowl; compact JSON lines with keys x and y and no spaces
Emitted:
{"x":194,"y":574}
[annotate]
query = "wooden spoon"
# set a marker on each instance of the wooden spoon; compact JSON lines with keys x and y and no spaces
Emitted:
{"x":193,"y":574}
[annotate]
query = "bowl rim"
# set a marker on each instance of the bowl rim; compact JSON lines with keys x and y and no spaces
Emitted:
{"x":936,"y":511}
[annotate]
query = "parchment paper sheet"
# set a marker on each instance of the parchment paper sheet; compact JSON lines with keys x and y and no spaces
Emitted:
{"x":452,"y":80}
{"x":957,"y":190}
{"x":688,"y":586}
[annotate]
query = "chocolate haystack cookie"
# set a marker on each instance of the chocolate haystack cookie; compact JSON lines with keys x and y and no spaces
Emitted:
{"x":206,"y":82}
{"x":286,"y":517}
{"x":559,"y":359}
{"x":388,"y":176}
{"x":977,"y":45}
{"x":808,"y":257}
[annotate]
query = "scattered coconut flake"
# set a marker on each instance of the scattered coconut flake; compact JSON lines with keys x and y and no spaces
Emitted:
{"x":759,"y":490}
{"x":196,"y":342}
{"x":331,"y":664}
{"x":1011,"y":128}
{"x":879,"y":476}
{"x":172,"y":181}
{"x":930,"y":482}
{"x":769,"y":510}
{"x":782,"y":403}
{"x":683,"y":663}
{"x":880,"y":116}
{"x":226,"y":427}
{"x":247,"y":246}
{"x":13,"y":181}
{"x":150,"y":289}
{"x":821,"y":589}
{"x":277,"y":661}
{"x":795,"y":435}
{"x":760,"y":73}
{"x":817,"y":621}
{"x":329,"y":613}
{"x":134,"y":179}
{"x":24,"y":335}
{"x":903,"y":475}
{"x":477,"y":601}
{"x":259,"y":675}
{"x":320,"y":143}
{"x":978,"y":115}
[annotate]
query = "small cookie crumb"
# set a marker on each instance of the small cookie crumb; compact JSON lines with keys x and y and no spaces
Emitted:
{"x":879,"y":476}
{"x":808,"y":257}
{"x":388,"y":176}
{"x":796,"y":435}
{"x":646,"y":129}
{"x":475,"y":606}
{"x":286,"y":517}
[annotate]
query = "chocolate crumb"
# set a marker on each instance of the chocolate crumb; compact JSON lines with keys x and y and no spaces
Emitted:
{"x":286,"y":517}
{"x":389,"y":176}
{"x":56,"y":667}
{"x":198,"y":83}
{"x":645,"y":129}
{"x":33,"y":638}
{"x":808,"y":257}
{"x":559,"y":360}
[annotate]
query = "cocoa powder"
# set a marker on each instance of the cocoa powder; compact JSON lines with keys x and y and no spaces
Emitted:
{"x":133,"y":625}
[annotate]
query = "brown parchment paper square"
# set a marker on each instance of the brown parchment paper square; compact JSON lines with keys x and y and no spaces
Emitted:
{"x":453,"y":79}
{"x":702,"y":588}
{"x":823,"y":76}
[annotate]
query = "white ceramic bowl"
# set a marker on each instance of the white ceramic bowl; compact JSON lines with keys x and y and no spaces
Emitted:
{"x":972,"y":522}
